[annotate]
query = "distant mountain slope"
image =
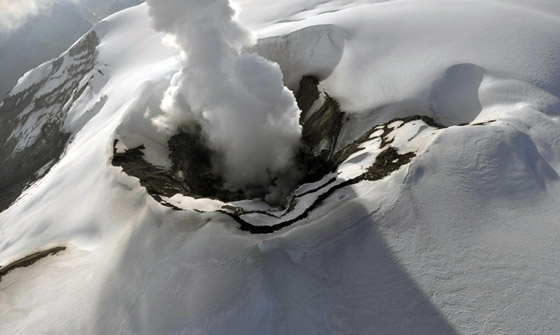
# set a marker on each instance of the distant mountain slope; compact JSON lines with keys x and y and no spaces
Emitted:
{"x":39,"y":110}
{"x":48,"y":34}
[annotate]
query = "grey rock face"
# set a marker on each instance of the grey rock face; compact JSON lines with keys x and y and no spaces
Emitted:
{"x":31,"y":134}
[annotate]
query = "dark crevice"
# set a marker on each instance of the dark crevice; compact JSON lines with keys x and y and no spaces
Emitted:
{"x":330,"y":181}
{"x":240,"y":211}
{"x":485,"y":123}
{"x":386,"y":162}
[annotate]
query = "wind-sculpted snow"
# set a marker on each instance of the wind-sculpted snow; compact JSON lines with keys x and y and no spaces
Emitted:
{"x":452,"y":118}
{"x":314,"y":51}
{"x":454,"y":97}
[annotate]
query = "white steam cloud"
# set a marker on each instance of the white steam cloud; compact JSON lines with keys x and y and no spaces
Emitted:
{"x":15,"y":13}
{"x":246,"y":113}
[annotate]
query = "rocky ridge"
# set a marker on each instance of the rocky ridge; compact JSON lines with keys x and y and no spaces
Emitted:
{"x":32,"y":135}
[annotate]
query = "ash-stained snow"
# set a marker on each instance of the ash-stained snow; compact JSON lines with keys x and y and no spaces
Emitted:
{"x":463,"y":239}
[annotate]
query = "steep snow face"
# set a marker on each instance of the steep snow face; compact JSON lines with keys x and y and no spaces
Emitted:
{"x":461,"y":239}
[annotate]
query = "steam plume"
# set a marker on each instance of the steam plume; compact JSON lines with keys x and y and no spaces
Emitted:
{"x":246,"y":113}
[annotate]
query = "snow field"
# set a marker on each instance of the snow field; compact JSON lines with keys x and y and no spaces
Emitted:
{"x":463,"y":240}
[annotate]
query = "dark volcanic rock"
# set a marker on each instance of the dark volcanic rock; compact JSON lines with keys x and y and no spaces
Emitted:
{"x":307,"y":94}
{"x":192,"y":167}
{"x":157,"y":181}
{"x":191,"y":172}
{"x":29,"y":260}
{"x":320,"y":131}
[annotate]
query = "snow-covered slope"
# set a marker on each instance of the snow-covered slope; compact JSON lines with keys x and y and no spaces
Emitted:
{"x":460,"y":236}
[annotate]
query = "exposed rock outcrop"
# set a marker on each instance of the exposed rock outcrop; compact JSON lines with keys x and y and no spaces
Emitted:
{"x":31,"y":135}
{"x":29,"y":260}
